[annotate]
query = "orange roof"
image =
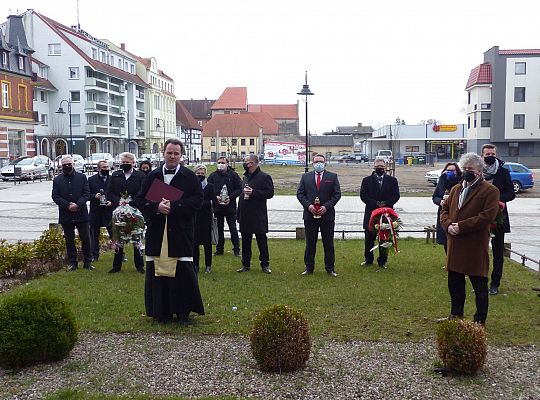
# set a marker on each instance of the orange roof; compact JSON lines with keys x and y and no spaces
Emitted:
{"x":479,"y":75}
{"x":184,"y":118}
{"x":264,"y":119}
{"x":232,"y":98}
{"x":277,"y":111}
{"x":233,"y":125}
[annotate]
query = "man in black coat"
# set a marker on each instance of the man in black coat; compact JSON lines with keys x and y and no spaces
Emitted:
{"x":126,"y":180}
{"x":500,"y":177}
{"x":253,"y":214}
{"x":226,"y":210}
{"x":171,"y":285}
{"x":377,"y":190}
{"x":100,"y":207}
{"x":70,"y":192}
{"x":319,"y":192}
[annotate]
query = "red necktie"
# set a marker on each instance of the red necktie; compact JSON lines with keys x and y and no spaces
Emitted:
{"x":318,"y":180}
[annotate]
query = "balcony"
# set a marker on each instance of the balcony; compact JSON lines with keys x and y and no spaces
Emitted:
{"x":139,"y":114}
{"x":96,"y":128}
{"x":139,"y":96}
{"x":96,"y":83}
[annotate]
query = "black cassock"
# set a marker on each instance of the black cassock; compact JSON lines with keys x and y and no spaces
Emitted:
{"x":180,"y":295}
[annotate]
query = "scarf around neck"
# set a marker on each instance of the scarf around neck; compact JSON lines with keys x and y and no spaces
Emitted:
{"x":491,"y":170}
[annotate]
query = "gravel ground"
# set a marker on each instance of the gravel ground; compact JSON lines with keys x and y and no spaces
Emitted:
{"x":159,"y":364}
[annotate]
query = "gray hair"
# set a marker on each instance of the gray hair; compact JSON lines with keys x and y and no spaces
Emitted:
{"x":253,"y":157}
{"x":200,"y":166}
{"x":472,"y":159}
{"x":66,"y":158}
{"x":128,"y":155}
{"x":379,"y":159}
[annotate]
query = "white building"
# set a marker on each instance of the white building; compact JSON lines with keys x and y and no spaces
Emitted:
{"x":503,"y":96}
{"x":98,"y":85}
{"x":190,"y":132}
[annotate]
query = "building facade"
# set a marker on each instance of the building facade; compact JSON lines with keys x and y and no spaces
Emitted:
{"x":503,"y":104}
{"x":16,"y":80}
{"x":190,"y":133}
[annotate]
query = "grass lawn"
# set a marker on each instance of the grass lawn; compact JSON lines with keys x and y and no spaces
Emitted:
{"x":397,"y":304}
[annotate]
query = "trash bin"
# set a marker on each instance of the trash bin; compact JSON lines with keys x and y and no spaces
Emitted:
{"x":409,"y":160}
{"x":415,"y":160}
{"x":421,"y":160}
{"x":431,"y":159}
{"x":400,"y":161}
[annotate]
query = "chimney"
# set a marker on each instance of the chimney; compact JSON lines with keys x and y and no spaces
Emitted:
{"x":359,"y":124}
{"x":123,"y":46}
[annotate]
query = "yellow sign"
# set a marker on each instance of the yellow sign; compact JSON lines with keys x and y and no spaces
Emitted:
{"x":448,"y":128}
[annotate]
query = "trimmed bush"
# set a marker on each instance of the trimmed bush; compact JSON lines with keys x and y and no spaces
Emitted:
{"x":35,"y":327}
{"x":280,"y":339}
{"x":50,"y":246}
{"x":14,"y":258}
{"x":462,"y":346}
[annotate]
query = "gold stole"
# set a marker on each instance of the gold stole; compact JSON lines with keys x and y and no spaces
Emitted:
{"x":165,"y":265}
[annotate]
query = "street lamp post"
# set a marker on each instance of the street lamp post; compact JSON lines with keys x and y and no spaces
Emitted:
{"x":61,"y":111}
{"x":158,"y":126}
{"x":306,"y":92}
{"x":126,"y":118}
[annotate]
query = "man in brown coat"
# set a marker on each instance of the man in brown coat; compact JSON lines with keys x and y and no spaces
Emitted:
{"x":466,"y":216}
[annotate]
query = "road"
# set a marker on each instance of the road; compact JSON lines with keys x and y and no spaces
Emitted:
{"x":27,"y":209}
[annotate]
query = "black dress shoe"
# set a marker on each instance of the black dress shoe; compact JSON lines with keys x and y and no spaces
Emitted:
{"x":243,"y":269}
{"x":307,"y":272}
{"x":237,"y":253}
{"x":266,"y":270}
{"x":72,"y":267}
{"x":89,"y":267}
{"x":207,"y":270}
{"x":218,"y":253}
{"x":140,"y":270}
{"x":331,"y":273}
{"x":114,"y":270}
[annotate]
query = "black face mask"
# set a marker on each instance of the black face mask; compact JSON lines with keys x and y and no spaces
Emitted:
{"x":67,"y":169}
{"x":126,"y":167}
{"x":469,"y":176}
{"x":201,"y":177}
{"x":104,"y":172}
{"x":146,"y":171}
{"x":490,"y":160}
{"x":379,"y":171}
{"x":246,"y":166}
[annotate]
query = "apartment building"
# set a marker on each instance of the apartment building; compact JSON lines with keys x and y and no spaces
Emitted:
{"x":189,"y":131}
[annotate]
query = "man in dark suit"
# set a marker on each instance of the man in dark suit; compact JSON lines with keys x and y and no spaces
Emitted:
{"x":171,"y":285}
{"x":253,"y":214}
{"x":377,"y":190}
{"x":100,"y":207}
{"x":319,"y":192}
{"x":500,"y":178}
{"x":71,"y":192}
{"x":127,"y":180}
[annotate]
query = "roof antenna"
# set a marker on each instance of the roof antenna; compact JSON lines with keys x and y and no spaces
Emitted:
{"x":78,"y":22}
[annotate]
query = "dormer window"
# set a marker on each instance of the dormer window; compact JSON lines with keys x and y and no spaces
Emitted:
{"x":21,"y":63}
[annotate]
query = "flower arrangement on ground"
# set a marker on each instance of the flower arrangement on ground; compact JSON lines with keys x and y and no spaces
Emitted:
{"x":386,"y":222}
{"x":127,"y":224}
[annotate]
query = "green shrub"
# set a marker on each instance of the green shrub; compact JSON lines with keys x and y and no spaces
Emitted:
{"x":35,"y":327}
{"x":14,"y":258}
{"x":280,"y":339}
{"x":50,"y":246}
{"x":462,"y":345}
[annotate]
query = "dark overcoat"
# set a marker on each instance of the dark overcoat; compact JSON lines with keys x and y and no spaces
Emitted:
{"x":180,"y":221}
{"x":203,"y":219}
{"x":234,"y":188}
{"x":252,"y":213}
{"x":99,"y":215}
{"x":329,"y":193}
{"x":371,"y":193}
{"x":503,"y":181}
{"x":442,"y":186}
{"x":468,"y":251}
{"x":71,"y":189}
{"x":119,"y":185}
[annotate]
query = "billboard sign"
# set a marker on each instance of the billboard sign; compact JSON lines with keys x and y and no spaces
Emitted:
{"x":284,"y":153}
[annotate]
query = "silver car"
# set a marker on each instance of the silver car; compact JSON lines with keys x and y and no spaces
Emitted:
{"x":78,"y":163}
{"x":37,"y":167}
{"x":93,"y":159}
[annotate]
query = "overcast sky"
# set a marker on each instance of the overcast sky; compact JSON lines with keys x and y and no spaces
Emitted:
{"x":366,"y":63}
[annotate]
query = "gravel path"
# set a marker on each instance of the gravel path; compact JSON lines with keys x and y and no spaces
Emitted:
{"x":159,"y":364}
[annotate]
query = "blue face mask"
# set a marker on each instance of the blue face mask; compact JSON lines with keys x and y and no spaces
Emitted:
{"x":450,"y":174}
{"x":318,"y":167}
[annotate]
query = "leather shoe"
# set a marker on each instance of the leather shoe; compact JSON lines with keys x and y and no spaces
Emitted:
{"x":237,"y":253}
{"x":366,"y":264}
{"x":218,"y":253}
{"x":332,"y":273}
{"x":89,"y":267}
{"x":266,"y":270}
{"x":114,"y":270}
{"x":494,"y":290}
{"x":307,"y":272}
{"x":207,"y":270}
{"x":72,"y":267}
{"x":140,"y":270}
{"x":243,"y":269}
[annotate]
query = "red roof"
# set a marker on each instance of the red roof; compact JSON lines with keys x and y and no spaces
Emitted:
{"x":233,"y":125}
{"x":45,"y":84}
{"x":480,"y":75}
{"x":232,"y":98}
{"x":264,"y":119}
{"x":277,"y":111}
{"x":42,"y":64}
{"x":519,"y":52}
{"x":184,"y":118}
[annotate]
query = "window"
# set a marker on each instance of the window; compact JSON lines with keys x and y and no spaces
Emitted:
{"x":485,"y":106}
{"x":43,"y":119}
{"x":43,"y":96}
{"x":119,"y":64}
{"x":410,"y":149}
{"x":125,"y":66}
{"x":5,"y":95}
{"x":34,"y":94}
{"x":75,"y":119}
{"x":519,"y":121}
{"x":468,"y":122}
{"x":234,"y":142}
{"x":223,"y":142}
{"x":103,"y":56}
{"x":132,"y":68}
{"x":513,"y":149}
{"x":156,"y":102}
{"x":521,"y":68}
{"x":42,"y":72}
{"x":4,"y":58}
{"x":485,"y":120}
{"x":75,"y":96}
{"x":212,"y":141}
{"x":476,"y":106}
{"x":474,"y":121}
{"x":94,"y":54}
{"x":73,"y":72}
{"x":54,"y":49}
{"x":469,"y":98}
{"x":21,"y":63}
{"x":112,"y":60}
{"x":519,"y":94}
{"x":251,"y":142}
{"x":243,"y":142}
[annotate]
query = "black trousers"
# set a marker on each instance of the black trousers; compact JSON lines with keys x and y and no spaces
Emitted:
{"x":456,"y":287}
{"x":84,"y":235}
{"x":369,"y":244}
{"x":137,"y":258}
{"x":262,"y":243}
{"x":231,"y":222}
{"x":207,"y":255}
{"x":95,"y":228}
{"x":312,"y":227}
{"x":497,"y":248}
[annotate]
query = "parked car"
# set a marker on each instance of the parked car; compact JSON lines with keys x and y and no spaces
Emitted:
{"x":93,"y":159}
{"x":522,"y":177}
{"x":78,"y":163}
{"x":361,"y":157}
{"x":37,"y":167}
{"x":385,"y":155}
{"x":155,"y":158}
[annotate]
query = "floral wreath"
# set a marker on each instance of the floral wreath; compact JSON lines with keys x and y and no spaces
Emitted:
{"x":386,"y":222}
{"x":499,"y":219}
{"x":127,"y":224}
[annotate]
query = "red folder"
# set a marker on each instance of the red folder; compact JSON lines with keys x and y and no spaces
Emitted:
{"x":159,"y":190}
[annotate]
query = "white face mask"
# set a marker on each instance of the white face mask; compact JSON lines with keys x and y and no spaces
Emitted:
{"x":318,"y":167}
{"x":222,"y":167}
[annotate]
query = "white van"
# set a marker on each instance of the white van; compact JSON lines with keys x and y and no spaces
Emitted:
{"x":386,"y":155}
